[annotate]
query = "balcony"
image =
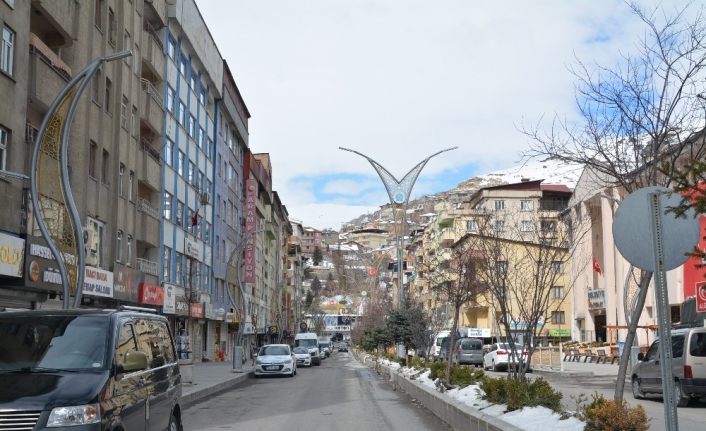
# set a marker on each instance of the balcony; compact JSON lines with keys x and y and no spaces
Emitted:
{"x":156,"y":13}
{"x":48,"y":74}
{"x":147,"y":223}
{"x":152,"y":112}
{"x":447,"y":237}
{"x":149,"y":174}
{"x":152,"y":55}
{"x":148,"y":267}
{"x":56,"y":17}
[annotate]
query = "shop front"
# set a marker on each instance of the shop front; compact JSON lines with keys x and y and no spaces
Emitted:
{"x":126,"y":285}
{"x":41,"y":274}
{"x":97,"y":288}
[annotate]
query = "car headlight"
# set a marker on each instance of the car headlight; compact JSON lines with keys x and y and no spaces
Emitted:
{"x":258,"y":360}
{"x":76,"y":415}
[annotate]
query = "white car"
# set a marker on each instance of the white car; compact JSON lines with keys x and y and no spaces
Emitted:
{"x":275,"y":359}
{"x":302,"y":356}
{"x":499,"y":356}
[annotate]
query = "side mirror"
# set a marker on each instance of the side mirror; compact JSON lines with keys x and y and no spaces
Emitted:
{"x":134,"y":361}
{"x":640,"y":356}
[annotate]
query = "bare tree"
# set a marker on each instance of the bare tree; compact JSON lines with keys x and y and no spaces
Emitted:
{"x":521,"y":258}
{"x":640,"y":118}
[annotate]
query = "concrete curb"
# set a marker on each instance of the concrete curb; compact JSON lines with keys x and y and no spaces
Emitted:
{"x":199,"y":395}
{"x":459,"y":416}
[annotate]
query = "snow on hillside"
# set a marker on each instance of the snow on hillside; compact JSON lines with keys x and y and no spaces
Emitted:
{"x":552,"y":171}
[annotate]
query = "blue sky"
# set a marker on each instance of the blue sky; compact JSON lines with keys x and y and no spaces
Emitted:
{"x":401,"y":79}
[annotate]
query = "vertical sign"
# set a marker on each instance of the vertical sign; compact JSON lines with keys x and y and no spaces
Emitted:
{"x":701,"y":297}
{"x":250,"y":226}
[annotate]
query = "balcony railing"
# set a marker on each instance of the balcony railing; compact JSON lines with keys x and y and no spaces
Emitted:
{"x":147,"y":148}
{"x":146,"y":207}
{"x":40,"y":48}
{"x":148,"y":267}
{"x":148,"y":88}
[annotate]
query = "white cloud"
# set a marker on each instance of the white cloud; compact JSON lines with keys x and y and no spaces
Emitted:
{"x":348,"y":187}
{"x":401,"y":79}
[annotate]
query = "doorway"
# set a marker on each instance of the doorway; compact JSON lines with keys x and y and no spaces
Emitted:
{"x":599,"y":322}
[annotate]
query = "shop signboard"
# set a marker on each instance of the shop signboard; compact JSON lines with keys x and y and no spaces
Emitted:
{"x":151,"y":294}
{"x":97,"y":282}
{"x":596,"y":299}
{"x":181,"y":306}
{"x":197,"y":310}
{"x":169,"y":306}
{"x":478,"y":332}
{"x":208,"y":311}
{"x":41,"y":270}
{"x":126,"y":283}
{"x":562,"y":332}
{"x":250,"y":227}
{"x":12,"y":253}
{"x":192,"y":249}
{"x":701,"y":297}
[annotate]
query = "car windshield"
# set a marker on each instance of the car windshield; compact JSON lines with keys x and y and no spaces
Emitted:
{"x":306,"y":342}
{"x":471,"y":345}
{"x":53,"y":342}
{"x":301,"y":350}
{"x":274,"y":351}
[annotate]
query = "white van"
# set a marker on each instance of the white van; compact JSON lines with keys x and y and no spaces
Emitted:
{"x":311,"y":341}
{"x":438,"y":341}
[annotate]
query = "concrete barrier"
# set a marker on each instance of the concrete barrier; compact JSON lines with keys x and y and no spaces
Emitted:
{"x":194,"y":397}
{"x":460,"y":417}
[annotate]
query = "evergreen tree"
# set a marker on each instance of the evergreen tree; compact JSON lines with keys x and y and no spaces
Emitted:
{"x":318,"y":257}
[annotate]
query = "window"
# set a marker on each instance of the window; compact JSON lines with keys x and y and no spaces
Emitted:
{"x":8,"y":50}
{"x":92,"y":154}
{"x":471,"y":225}
{"x":557,"y":266}
{"x":558,"y":317}
{"x":677,"y":346}
{"x":697,"y":346}
{"x":182,"y":113}
{"x":200,"y":139}
{"x":209,"y":148}
{"x":202,"y":95}
{"x":190,"y":173}
{"x":133,"y":122}
{"x":501,"y":267}
{"x":95,"y":230}
{"x":548,"y":225}
{"x":180,"y":163}
{"x":111,"y":27}
{"x":171,"y":46}
{"x":179,"y":213}
{"x":121,"y":174}
{"x":191,"y":126}
{"x":166,"y":260}
{"x":197,"y":180}
{"x":105,"y":167}
{"x":499,"y":225}
{"x":168,"y":206}
{"x":177,"y":267}
{"x":98,"y":14}
{"x":4,"y":141}
{"x":192,"y":80}
{"x":127,"y":45}
{"x":96,"y":88}
{"x":182,"y":64}
{"x":499,"y":205}
{"x":526,"y":226}
{"x":207,"y":232}
{"x":131,"y":186}
{"x":136,"y":63}
{"x":169,"y":152}
{"x":556,"y":292}
{"x":108,"y":89}
{"x":119,"y":246}
{"x":123,"y":112}
{"x":218,"y":247}
{"x":129,"y":250}
{"x":170,"y":99}
{"x":525,"y":205}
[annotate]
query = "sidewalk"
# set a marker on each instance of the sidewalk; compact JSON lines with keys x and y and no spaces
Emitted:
{"x":211,"y":378}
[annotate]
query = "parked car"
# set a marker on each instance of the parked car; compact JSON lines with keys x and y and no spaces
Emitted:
{"x":688,"y":367}
{"x":444,"y":349}
{"x":438,"y":341}
{"x":500,"y":356}
{"x":311,"y":342}
{"x":468,"y":351}
{"x":302,"y":355}
{"x":89,"y":369}
{"x":322,"y":354}
{"x":275,"y":359}
{"x":326,"y":347}
{"x":343,"y":347}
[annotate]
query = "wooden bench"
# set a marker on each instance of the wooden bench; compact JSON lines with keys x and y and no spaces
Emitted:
{"x":569,"y":355}
{"x":591,"y":355}
{"x":601,"y":356}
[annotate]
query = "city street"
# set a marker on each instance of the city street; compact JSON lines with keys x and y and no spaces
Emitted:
{"x":339,"y":395}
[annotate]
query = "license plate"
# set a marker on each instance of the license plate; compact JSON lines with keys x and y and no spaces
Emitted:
{"x":272,"y":367}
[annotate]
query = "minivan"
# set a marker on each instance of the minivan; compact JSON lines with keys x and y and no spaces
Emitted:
{"x":311,"y":341}
{"x":88,"y":370}
{"x":688,"y":367}
{"x":468,"y":351}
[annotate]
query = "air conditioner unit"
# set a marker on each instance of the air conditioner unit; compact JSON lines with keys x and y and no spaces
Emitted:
{"x":205,"y":198}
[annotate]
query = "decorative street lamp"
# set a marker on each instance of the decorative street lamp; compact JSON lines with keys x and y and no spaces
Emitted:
{"x":399,"y":192}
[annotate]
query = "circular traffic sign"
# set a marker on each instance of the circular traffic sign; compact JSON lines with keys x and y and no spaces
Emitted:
{"x":633,"y":229}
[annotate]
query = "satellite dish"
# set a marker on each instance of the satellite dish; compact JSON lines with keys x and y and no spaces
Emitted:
{"x":363,"y":293}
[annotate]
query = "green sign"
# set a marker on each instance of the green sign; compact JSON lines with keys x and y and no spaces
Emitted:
{"x":559,"y":333}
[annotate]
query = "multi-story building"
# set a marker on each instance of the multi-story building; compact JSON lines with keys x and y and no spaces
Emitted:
{"x":295,"y":274}
{"x":231,"y":144}
{"x":193,"y":83}
{"x":310,"y":241}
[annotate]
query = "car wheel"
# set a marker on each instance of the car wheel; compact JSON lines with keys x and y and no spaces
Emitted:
{"x":681,"y":399}
{"x":494,"y":367}
{"x":637,"y":389}
{"x":173,"y":423}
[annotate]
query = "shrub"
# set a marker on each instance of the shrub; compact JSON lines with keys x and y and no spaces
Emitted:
{"x":437,"y":370}
{"x":416,"y":362}
{"x":517,"y":394}
{"x":609,"y":415}
{"x":464,"y":376}
{"x":402,"y":361}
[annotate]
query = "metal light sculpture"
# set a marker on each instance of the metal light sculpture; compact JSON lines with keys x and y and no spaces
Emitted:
{"x":399,"y":192}
{"x":50,"y":159}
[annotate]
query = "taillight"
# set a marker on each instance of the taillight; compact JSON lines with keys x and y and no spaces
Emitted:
{"x":688,"y":374}
{"x":502,"y":352}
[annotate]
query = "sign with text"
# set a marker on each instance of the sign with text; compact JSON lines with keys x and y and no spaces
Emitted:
{"x":192,"y":249}
{"x":196,"y":310}
{"x":478,"y":332}
{"x":98,"y":282}
{"x":596,"y":299}
{"x":559,"y":333}
{"x":701,"y":297}
{"x":151,"y":294}
{"x":250,"y":227}
{"x":41,"y":269}
{"x":126,"y":283}
{"x":12,"y":253}
{"x":169,"y":306}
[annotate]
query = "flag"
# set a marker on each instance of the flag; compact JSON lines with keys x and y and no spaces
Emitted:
{"x":597,"y":266}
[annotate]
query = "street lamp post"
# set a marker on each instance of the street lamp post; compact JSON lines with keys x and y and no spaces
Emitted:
{"x":398,"y":192}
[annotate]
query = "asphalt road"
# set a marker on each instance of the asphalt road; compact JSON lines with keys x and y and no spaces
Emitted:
{"x":691,"y":418}
{"x":339,"y":395}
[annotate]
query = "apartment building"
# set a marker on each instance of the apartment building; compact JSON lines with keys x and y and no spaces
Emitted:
{"x":311,"y":240}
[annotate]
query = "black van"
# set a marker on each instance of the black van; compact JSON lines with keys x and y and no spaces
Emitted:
{"x":88,"y":370}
